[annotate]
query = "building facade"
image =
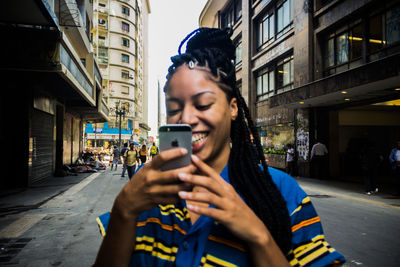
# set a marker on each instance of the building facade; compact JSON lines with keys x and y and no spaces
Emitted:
{"x":51,"y":87}
{"x":318,"y":70}
{"x":120,"y":42}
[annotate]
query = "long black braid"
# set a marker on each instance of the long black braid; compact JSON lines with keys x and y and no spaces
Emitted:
{"x":213,"y":48}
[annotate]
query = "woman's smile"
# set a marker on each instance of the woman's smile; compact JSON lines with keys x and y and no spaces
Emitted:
{"x":199,"y":140}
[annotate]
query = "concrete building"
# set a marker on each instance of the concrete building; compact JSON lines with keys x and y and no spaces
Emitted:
{"x":316,"y":69}
{"x":120,"y":45}
{"x":51,"y":86}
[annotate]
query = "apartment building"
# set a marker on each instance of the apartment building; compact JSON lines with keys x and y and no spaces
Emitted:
{"x":318,"y":70}
{"x":120,"y":42}
{"x":51,"y":87}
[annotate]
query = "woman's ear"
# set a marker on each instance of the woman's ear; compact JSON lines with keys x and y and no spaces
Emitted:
{"x":234,"y":108}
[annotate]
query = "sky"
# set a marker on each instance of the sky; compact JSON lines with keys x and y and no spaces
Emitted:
{"x":169,"y":23}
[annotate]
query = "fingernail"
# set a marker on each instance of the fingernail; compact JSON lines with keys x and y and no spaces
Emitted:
{"x":183,"y":194}
{"x":183,"y":176}
{"x":195,"y":158}
{"x":190,"y":206}
{"x":184,"y":151}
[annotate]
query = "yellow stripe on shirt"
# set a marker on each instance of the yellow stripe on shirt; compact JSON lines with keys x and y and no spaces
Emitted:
{"x":305,"y":201}
{"x":102,"y":230}
{"x":212,"y":259}
{"x":168,"y":209}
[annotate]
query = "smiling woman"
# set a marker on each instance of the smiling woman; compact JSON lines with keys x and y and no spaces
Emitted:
{"x":230,"y":209}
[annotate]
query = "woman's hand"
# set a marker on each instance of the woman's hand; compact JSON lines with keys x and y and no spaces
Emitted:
{"x":232,"y":212}
{"x":230,"y":209}
{"x":150,"y":186}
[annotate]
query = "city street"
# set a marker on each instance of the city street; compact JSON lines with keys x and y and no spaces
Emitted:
{"x":54,"y":224}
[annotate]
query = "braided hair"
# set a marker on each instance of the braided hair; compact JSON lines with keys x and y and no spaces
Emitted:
{"x":213,"y":48}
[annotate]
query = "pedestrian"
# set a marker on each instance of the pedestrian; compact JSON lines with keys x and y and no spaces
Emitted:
{"x":369,"y":162}
{"x":318,"y":159}
{"x":290,"y":161}
{"x":223,"y":209}
{"x":394,"y":159}
{"x":123,"y":150}
{"x":116,"y":157}
{"x":143,"y":154}
{"x":153,"y":150}
{"x":131,"y":156}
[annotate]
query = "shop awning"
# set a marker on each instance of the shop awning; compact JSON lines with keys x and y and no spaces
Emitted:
{"x":144,"y":126}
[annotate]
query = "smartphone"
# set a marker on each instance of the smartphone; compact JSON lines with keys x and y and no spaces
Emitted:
{"x":173,"y":136}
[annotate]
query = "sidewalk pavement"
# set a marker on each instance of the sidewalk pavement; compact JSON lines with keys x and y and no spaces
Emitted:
{"x":18,"y":200}
{"x":350,"y":190}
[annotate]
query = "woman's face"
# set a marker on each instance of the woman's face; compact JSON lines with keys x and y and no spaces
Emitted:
{"x":194,"y":99}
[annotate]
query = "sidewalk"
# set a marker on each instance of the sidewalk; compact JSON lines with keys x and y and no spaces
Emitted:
{"x":350,"y":190}
{"x":23,"y":199}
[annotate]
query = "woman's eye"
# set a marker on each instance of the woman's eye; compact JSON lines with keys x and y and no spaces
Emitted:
{"x":203,"y":107}
{"x":172,"y":112}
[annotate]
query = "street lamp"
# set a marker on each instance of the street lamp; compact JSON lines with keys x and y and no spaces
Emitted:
{"x":119,"y":112}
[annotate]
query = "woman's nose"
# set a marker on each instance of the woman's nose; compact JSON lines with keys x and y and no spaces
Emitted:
{"x":189,"y":115}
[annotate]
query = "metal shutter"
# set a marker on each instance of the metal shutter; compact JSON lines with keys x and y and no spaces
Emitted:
{"x":42,"y":134}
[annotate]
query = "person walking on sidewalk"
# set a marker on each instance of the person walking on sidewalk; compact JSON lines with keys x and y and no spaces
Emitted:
{"x":153,"y":150}
{"x":123,"y":150}
{"x":227,"y":208}
{"x":394,"y":159}
{"x":318,"y":158}
{"x":116,"y":157}
{"x":131,"y":157}
{"x":290,"y":161}
{"x":369,"y":162}
{"x":143,"y":154}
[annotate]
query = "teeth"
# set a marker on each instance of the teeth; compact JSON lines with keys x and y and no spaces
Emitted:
{"x":196,"y":138}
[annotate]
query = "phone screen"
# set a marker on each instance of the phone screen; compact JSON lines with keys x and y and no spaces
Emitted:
{"x":173,"y":136}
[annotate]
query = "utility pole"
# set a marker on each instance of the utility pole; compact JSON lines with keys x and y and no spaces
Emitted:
{"x":119,"y":112}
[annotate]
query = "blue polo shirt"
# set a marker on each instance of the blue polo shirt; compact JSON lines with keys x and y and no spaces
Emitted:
{"x":166,"y":237}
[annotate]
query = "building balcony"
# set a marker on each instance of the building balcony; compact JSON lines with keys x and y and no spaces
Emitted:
{"x":103,"y":60}
{"x":103,"y":43}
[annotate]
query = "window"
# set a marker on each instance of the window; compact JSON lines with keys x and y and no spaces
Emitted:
{"x":384,"y":29}
{"x":125,"y":10}
{"x":356,"y":38}
{"x":344,"y":47}
{"x":238,"y":52}
{"x":125,"y":26}
{"x":231,"y":14}
{"x":102,"y":41}
{"x":125,"y":42}
{"x":392,"y":25}
{"x":266,"y":83}
{"x":125,"y":90}
{"x":125,"y":74}
{"x":125,"y":58}
{"x":276,"y":22}
{"x":285,"y":75}
{"x":103,"y":52}
{"x":266,"y":29}
{"x":275,"y":78}
{"x":284,"y":15}
{"x":376,"y":38}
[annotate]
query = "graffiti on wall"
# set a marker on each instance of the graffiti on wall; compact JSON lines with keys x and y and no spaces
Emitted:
{"x":302,"y":144}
